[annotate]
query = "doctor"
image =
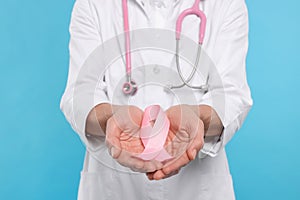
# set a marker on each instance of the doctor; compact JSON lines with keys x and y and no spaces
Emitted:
{"x":110,"y":128}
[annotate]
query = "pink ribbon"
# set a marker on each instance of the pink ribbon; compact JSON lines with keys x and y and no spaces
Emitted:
{"x":154,"y":136}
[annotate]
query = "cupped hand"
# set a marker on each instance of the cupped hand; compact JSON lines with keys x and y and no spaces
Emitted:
{"x":123,"y":140}
{"x":185,"y":139}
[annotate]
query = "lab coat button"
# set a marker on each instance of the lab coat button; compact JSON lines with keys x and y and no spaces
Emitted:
{"x":157,"y":3}
{"x":156,"y":70}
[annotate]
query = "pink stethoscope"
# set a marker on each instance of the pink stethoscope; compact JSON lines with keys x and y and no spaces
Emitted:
{"x":130,"y":86}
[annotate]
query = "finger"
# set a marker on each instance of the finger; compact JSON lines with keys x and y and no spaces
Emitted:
{"x":151,"y":166}
{"x":176,"y":164}
{"x":136,"y":167}
{"x":197,"y":141}
{"x":112,"y":138}
{"x":136,"y":164}
{"x":172,"y":174}
{"x":150,"y":175}
{"x":126,"y":159}
{"x":158,"y":175}
{"x":158,"y":166}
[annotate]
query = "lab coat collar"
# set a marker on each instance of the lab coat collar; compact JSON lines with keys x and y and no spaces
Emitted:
{"x":141,"y":2}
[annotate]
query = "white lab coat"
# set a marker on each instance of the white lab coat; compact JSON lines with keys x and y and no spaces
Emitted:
{"x":93,"y":23}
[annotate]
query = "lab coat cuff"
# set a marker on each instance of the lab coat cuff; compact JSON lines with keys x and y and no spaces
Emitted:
{"x":212,"y":145}
{"x":81,"y":110}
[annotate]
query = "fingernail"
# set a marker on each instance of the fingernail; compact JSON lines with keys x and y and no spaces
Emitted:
{"x":194,"y":153}
{"x":112,"y":152}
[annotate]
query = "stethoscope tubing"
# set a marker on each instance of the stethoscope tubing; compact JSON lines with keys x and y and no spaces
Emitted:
{"x":195,"y":66}
{"x":130,"y":87}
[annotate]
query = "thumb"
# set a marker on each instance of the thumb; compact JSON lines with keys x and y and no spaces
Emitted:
{"x":115,"y":152}
{"x":112,"y":139}
{"x":197,"y":142}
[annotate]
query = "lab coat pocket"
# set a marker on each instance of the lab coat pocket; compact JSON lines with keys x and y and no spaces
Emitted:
{"x":95,"y":185}
{"x":192,"y":185}
{"x":217,"y":187}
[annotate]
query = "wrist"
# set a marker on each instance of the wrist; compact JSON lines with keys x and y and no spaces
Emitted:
{"x":97,"y":119}
{"x":212,"y":123}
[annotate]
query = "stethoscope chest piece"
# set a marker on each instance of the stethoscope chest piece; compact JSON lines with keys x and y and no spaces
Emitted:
{"x":130,"y":88}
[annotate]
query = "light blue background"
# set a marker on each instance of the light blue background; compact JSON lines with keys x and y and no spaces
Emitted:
{"x":40,"y":156}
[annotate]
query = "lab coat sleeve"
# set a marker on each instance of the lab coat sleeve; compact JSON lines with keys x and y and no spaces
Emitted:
{"x":84,"y":39}
{"x":232,"y":99}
